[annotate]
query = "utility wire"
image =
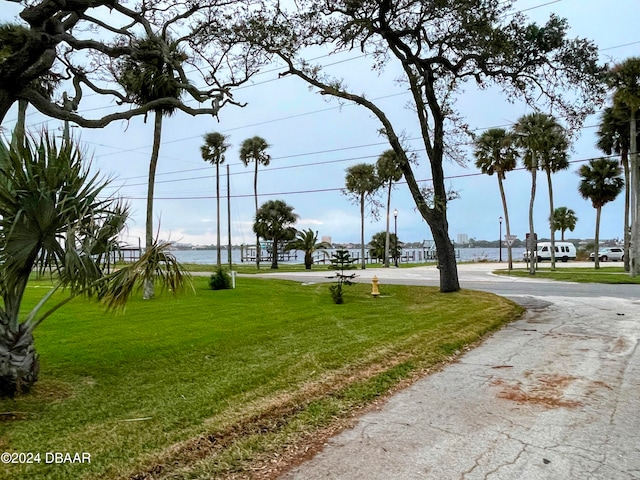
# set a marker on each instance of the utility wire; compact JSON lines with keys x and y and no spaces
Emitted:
{"x":336,"y":189}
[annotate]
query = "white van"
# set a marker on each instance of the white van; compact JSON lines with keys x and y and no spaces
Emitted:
{"x":564,"y":251}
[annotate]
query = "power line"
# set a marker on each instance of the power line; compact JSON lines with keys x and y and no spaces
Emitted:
{"x":334,"y":189}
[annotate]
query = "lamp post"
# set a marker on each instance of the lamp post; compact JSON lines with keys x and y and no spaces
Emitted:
{"x":500,"y":238}
{"x":395,"y":229}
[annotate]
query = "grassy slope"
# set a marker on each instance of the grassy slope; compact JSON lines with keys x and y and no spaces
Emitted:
{"x":135,"y":389}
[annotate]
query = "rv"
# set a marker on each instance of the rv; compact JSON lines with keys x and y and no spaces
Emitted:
{"x":564,"y":251}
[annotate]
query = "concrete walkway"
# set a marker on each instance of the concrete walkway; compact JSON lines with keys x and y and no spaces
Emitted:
{"x":554,"y":395}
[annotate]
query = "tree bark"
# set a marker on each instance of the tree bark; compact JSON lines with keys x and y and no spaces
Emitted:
{"x":533,"y":253}
{"x":149,"y":289}
{"x":19,"y":363}
{"x":633,"y":189}
{"x":506,"y":219}
{"x":362,"y":262}
{"x":447,"y":265}
{"x":596,"y":258}
{"x":624,"y":159}
{"x":255,"y":196}
{"x":386,"y":239}
{"x":553,"y":233}
{"x":218,"y":253}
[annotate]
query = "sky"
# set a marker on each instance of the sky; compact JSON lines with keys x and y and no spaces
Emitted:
{"x":313,"y":139}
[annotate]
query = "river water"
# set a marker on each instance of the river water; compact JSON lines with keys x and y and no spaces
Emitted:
{"x":208,"y":257}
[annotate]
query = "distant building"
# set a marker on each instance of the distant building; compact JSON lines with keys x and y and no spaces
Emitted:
{"x":463,"y":238}
{"x":327,"y":240}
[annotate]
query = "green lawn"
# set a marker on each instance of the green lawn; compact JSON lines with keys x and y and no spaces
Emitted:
{"x":613,"y":275}
{"x":231,"y":376}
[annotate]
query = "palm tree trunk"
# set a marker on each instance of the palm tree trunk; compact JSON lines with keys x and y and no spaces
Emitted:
{"x":533,"y":254}
{"x":635,"y":228}
{"x":553,"y":233}
{"x":596,"y":258}
{"x":274,"y":254}
{"x":19,"y":363}
{"x":624,"y":160}
{"x":148,"y":289}
{"x":255,"y":196}
{"x":506,"y":219}
{"x":386,"y":239}
{"x":218,"y":253}
{"x":363,"y":264}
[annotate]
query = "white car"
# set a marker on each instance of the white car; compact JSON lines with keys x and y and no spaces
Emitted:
{"x":609,"y":253}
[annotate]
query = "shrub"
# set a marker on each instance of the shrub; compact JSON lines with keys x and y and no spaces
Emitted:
{"x":220,"y":279}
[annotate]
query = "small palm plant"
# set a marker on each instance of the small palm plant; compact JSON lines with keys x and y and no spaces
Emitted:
{"x":307,"y":241}
{"x":55,"y":217}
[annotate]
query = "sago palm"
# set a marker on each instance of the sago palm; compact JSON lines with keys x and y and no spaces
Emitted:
{"x":55,"y":216}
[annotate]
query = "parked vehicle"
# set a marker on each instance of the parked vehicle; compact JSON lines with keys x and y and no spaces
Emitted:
{"x":565,"y":251}
{"x":609,"y":253}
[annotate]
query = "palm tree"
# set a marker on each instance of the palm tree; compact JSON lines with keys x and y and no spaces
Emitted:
{"x":147,"y":77}
{"x":563,"y":219}
{"x":213,"y":152}
{"x":361,"y":184}
{"x":307,"y":241}
{"x":624,"y":79}
{"x":55,"y":216}
{"x":274,"y":221}
{"x":495,"y":152}
{"x":614,"y":137}
{"x":379,"y":245}
{"x":254,"y":149}
{"x":388,"y":171}
{"x":601,"y":183}
{"x":545,"y":146}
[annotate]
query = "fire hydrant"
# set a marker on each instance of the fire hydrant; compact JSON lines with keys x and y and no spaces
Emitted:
{"x":374,"y":286}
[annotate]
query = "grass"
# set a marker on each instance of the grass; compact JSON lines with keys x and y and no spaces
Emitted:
{"x":213,"y":383}
{"x":610,"y":275}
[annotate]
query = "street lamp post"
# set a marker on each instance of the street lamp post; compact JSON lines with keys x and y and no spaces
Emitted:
{"x":395,"y":229}
{"x":500,"y":238}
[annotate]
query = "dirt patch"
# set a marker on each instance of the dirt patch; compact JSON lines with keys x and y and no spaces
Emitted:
{"x":544,"y":389}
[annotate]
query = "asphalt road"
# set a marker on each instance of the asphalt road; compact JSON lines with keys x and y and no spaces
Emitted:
{"x":554,"y":395}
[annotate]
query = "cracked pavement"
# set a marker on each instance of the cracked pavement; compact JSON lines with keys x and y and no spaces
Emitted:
{"x":553,"y":395}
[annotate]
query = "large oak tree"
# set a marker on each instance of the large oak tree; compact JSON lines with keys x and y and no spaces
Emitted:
{"x":77,"y":42}
{"x":439,"y":45}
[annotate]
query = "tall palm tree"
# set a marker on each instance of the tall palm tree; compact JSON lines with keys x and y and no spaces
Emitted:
{"x":213,"y":152}
{"x":274,"y":221}
{"x":613,"y":136}
{"x":388,"y":171}
{"x":307,"y":241}
{"x":553,"y":159}
{"x":55,"y":215}
{"x":361,"y":184}
{"x":254,"y":150}
{"x":495,"y":152}
{"x":563,"y":219}
{"x":624,"y":79}
{"x":545,"y":147}
{"x":600,"y":182}
{"x":145,"y":77}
